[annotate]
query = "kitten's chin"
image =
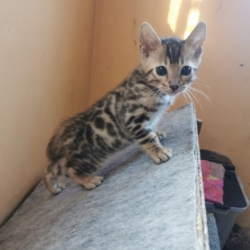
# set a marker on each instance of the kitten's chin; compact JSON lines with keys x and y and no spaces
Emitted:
{"x":171,"y":93}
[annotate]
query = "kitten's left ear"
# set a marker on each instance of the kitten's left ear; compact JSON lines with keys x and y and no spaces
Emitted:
{"x":148,"y":39}
{"x":196,"y":39}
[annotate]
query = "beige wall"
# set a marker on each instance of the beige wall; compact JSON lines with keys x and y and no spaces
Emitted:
{"x":45,"y":55}
{"x":227,"y":117}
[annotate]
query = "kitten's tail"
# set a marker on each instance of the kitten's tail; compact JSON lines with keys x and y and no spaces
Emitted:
{"x":57,"y":168}
{"x":55,"y":148}
{"x":52,"y":173}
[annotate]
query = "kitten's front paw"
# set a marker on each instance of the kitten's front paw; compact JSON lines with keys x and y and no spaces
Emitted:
{"x":161,"y":135}
{"x":162,"y":155}
{"x":92,"y":182}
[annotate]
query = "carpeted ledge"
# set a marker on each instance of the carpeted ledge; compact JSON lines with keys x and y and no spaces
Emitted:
{"x":140,"y":205}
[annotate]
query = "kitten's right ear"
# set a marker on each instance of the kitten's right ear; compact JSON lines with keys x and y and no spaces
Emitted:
{"x":148,"y":39}
{"x":195,"y":40}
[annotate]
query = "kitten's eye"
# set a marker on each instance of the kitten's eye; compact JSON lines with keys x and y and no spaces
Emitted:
{"x":161,"y":71}
{"x":185,"y":71}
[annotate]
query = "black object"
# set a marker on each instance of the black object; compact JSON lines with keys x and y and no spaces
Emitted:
{"x":235,"y":200}
{"x":218,"y":158}
{"x":233,"y":194}
{"x":199,"y":124}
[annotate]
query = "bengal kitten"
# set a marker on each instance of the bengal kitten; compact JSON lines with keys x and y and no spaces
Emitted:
{"x":128,"y":113}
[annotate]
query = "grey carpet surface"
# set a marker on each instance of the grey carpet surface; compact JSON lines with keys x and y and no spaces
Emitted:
{"x":214,"y":241}
{"x":139,"y":205}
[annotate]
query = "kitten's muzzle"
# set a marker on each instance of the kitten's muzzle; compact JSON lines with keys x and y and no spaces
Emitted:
{"x":174,"y":87}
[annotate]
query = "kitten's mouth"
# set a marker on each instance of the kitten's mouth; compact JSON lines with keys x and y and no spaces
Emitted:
{"x":171,"y":92}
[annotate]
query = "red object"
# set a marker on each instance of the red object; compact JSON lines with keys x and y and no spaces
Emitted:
{"x":213,"y":175}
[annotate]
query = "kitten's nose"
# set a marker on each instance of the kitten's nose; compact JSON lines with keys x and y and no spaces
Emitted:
{"x":174,"y":87}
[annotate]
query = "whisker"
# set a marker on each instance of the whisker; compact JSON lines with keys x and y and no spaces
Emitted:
{"x":152,"y":96}
{"x":200,"y":92}
{"x":151,"y":90}
{"x":198,"y":83}
{"x":185,"y":98}
{"x":152,"y":103}
{"x":156,"y":98}
{"x":152,"y":99}
{"x":200,"y":79}
{"x":149,"y":93}
{"x":197,"y":100}
{"x":190,"y":98}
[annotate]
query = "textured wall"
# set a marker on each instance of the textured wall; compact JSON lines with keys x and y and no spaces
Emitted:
{"x":45,"y":49}
{"x":227,"y":117}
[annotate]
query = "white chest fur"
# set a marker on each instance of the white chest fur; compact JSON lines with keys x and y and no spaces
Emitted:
{"x":156,"y":116}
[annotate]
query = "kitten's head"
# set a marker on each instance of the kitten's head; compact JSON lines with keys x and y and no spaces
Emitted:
{"x":171,"y":63}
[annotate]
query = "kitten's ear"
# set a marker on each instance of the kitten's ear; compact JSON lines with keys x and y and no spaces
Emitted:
{"x":149,"y":41}
{"x":196,"y":39}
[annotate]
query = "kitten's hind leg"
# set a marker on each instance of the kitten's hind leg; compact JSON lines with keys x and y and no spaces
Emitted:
{"x":89,"y":182}
{"x":51,"y":176}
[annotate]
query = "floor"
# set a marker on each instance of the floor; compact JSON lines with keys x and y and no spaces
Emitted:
{"x":239,"y":239}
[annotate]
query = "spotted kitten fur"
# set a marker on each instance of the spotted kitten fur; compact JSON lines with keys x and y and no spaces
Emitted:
{"x":128,"y":113}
